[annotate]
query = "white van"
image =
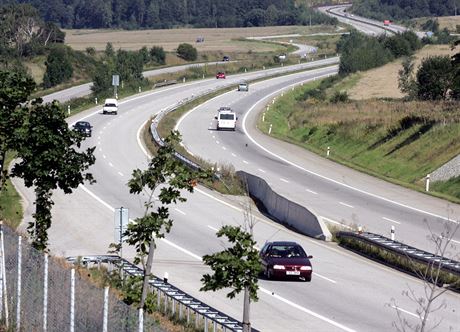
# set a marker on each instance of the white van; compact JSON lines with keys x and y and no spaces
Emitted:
{"x":110,"y":106}
{"x":226,"y":119}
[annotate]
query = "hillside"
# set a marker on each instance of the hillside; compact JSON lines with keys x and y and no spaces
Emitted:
{"x":403,"y":9}
{"x":127,"y":14}
{"x":382,"y":82}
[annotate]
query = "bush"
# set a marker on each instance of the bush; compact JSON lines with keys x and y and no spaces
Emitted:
{"x":158,"y":55}
{"x":339,"y":97}
{"x":187,"y":52}
{"x":58,"y":67}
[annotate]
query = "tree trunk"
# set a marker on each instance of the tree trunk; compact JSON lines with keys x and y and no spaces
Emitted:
{"x":246,"y":305}
{"x":2,"y":165}
{"x":147,"y":272}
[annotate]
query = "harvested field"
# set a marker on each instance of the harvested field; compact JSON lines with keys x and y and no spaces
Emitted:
{"x":382,"y":82}
{"x":225,"y":40}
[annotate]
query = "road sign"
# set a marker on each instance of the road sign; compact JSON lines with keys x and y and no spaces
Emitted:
{"x":115,"y":80}
{"x":121,"y":219}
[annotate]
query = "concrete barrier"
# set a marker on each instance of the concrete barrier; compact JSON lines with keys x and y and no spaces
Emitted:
{"x":288,"y":213}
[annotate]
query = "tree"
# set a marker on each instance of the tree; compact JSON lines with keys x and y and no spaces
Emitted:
{"x":434,"y":78}
{"x":15,"y":89}
{"x":237,"y":267}
{"x":158,"y":55}
{"x":58,"y":67}
{"x":455,"y":61}
{"x":429,"y":300}
{"x":406,"y":80}
{"x":171,"y":176}
{"x":48,"y":159}
{"x":187,"y":52}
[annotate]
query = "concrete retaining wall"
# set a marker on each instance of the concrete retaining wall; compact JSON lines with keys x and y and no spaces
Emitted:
{"x":285,"y":211}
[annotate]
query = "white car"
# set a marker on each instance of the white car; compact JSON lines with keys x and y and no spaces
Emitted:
{"x":110,"y":106}
{"x":226,"y":119}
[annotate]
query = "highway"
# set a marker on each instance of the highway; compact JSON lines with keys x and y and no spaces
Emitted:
{"x":347,"y":293}
{"x":365,"y":25}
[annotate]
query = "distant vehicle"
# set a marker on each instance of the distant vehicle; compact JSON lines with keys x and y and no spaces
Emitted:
{"x":110,"y":106}
{"x":285,"y":260}
{"x":243,"y":86}
{"x":226,"y":58}
{"x":226,"y":119}
{"x":220,"y":74}
{"x":282,"y":57}
{"x":386,"y":22}
{"x":83,"y":127}
{"x":200,"y":39}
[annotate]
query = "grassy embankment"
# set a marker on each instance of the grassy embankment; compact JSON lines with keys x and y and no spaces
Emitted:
{"x":398,"y":141}
{"x":10,"y":209}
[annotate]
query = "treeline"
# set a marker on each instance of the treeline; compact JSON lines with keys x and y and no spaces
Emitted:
{"x":138,"y":14}
{"x":359,"y":52}
{"x":404,"y":9}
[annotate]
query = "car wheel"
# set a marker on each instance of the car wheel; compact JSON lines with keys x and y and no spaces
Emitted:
{"x":268,"y":274}
{"x":307,"y":279}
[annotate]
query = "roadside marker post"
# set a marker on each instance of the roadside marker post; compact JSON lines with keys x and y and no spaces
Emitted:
{"x":68,"y":109}
{"x":270,"y":129}
{"x":427,"y":183}
{"x":392,"y":232}
{"x":328,"y":151}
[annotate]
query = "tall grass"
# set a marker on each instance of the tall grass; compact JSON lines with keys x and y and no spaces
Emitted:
{"x":396,"y":140}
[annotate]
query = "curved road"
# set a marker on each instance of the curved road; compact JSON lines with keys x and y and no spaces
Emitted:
{"x":342,"y":295}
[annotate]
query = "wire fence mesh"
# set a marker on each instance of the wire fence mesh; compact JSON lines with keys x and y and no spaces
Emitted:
{"x":41,"y":293}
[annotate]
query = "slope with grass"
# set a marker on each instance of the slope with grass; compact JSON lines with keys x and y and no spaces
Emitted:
{"x":395,"y":140}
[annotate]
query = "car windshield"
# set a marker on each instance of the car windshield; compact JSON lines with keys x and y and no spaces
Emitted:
{"x":286,"y":251}
{"x":226,"y":117}
{"x":83,"y":124}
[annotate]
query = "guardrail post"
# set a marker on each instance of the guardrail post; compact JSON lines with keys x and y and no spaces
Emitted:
{"x":197,"y":319}
{"x":141,"y":320}
{"x":173,"y":307}
{"x":205,"y":324}
{"x":72,"y":300}
{"x":180,"y":311}
{"x":158,"y":299}
{"x":105,"y":316}
{"x":18,"y":303}
{"x":188,"y":315}
{"x":166,"y":303}
{"x":45,"y":294}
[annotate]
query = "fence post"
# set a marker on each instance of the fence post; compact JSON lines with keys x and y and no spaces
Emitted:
{"x":141,"y":320}
{"x":18,"y":304}
{"x":3,"y":285}
{"x":106,"y":310}
{"x":45,"y":294}
{"x":72,"y":300}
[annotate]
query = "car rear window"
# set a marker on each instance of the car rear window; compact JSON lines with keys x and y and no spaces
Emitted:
{"x":287,"y":251}
{"x":227,"y":117}
{"x":110,"y":105}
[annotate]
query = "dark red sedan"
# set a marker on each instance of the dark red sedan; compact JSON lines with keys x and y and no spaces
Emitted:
{"x":220,"y":75}
{"x":285,"y":260}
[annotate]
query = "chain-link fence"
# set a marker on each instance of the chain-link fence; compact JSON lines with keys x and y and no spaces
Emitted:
{"x":42,"y":293}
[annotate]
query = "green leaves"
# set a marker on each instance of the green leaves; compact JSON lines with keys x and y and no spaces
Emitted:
{"x":49,"y":160}
{"x":171,"y":176}
{"x":236,"y":267}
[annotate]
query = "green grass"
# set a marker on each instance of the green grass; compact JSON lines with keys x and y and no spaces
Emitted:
{"x":399,"y":142}
{"x":10,"y":202}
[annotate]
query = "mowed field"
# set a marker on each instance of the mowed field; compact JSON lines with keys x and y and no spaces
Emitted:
{"x":382,"y":82}
{"x":224,"y":40}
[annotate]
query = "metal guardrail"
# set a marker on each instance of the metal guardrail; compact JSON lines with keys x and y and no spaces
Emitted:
{"x":268,"y":73}
{"x":447,"y":265}
{"x":171,"y":292}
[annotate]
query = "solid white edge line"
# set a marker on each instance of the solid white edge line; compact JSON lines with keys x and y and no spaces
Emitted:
{"x":180,"y":211}
{"x":284,"y":180}
{"x":317,"y":174}
{"x":325,"y":278}
{"x":213,"y":228}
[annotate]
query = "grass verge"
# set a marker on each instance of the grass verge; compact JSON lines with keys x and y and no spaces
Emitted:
{"x":397,"y":141}
{"x":10,"y":202}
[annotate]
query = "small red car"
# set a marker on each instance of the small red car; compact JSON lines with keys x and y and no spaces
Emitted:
{"x":285,"y":260}
{"x":220,"y":75}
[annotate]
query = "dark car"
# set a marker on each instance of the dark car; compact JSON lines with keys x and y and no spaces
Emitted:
{"x":285,"y":260}
{"x":83,"y":127}
{"x":220,"y":74}
{"x":226,"y":58}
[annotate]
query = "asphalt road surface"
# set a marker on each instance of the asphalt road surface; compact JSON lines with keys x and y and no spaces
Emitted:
{"x":347,"y":293}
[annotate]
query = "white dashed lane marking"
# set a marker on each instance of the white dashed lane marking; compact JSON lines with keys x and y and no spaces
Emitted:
{"x":180,"y":211}
{"x":311,"y":191}
{"x":347,"y":205}
{"x":284,"y":180}
{"x":234,"y":155}
{"x":391,"y":220}
{"x":213,"y":228}
{"x":261,"y":170}
{"x":244,"y":161}
{"x":120,"y":173}
{"x":110,"y":164}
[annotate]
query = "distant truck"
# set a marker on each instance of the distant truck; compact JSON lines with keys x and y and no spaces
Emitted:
{"x":386,"y":22}
{"x":110,"y":106}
